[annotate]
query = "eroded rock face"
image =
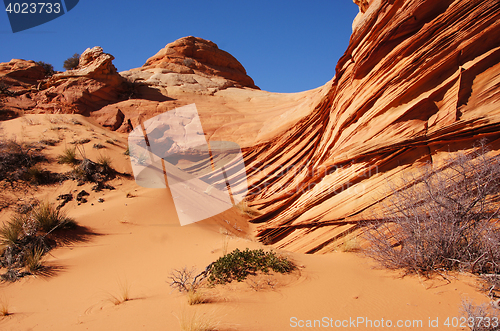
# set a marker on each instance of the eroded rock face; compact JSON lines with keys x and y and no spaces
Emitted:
{"x":418,"y":80}
{"x":92,"y":85}
{"x":192,"y":65}
{"x":17,"y":80}
{"x":363,"y":5}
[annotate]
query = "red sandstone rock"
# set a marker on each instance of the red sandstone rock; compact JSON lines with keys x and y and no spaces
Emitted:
{"x":17,"y":82}
{"x":192,"y":65}
{"x":110,"y":119}
{"x":92,"y":85}
{"x":419,"y":79}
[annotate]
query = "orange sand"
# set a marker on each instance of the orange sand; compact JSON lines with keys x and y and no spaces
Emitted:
{"x":137,"y":241}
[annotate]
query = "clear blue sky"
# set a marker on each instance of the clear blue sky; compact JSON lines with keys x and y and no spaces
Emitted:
{"x":285,"y":46}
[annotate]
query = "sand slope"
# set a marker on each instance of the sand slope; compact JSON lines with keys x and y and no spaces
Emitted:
{"x":135,"y":242}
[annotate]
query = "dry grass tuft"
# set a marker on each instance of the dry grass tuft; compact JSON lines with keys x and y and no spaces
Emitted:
{"x":247,"y":210}
{"x":33,"y":260}
{"x":4,"y":308}
{"x":51,"y":218}
{"x":196,"y":321}
{"x":123,"y":295}
{"x":68,"y":156}
{"x":196,"y":297}
{"x":350,"y":244}
{"x":11,"y":231}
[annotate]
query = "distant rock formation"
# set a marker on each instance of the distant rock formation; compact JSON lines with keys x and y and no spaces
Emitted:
{"x":186,"y":67}
{"x":419,"y":79}
{"x":92,"y":85}
{"x":192,"y":65}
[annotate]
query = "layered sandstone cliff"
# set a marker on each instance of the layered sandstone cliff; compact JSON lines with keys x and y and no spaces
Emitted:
{"x":419,"y":79}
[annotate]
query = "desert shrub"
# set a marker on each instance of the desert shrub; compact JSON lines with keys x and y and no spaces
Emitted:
{"x":442,"y":219}
{"x":72,"y":62}
{"x":90,"y":171}
{"x":11,"y":231}
{"x":49,"y":68}
{"x":68,"y":156}
{"x":184,"y":280}
{"x":16,"y":158}
{"x":27,"y":237}
{"x":479,"y":317}
{"x":50,"y":218}
{"x":237,"y":265}
{"x":37,"y":175}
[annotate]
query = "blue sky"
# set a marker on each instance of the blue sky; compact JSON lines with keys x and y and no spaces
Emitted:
{"x":285,"y":46}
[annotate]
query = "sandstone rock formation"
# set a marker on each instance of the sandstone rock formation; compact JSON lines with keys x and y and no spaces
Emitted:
{"x":92,"y":85}
{"x":17,"y":78}
{"x":419,"y":79}
{"x":191,"y":64}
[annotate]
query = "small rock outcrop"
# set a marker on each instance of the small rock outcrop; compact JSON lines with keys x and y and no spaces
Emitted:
{"x":17,"y":82}
{"x":93,"y":84}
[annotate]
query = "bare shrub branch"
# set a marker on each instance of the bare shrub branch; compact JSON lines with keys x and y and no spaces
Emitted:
{"x":479,"y":317}
{"x":443,"y":218}
{"x":184,"y":280}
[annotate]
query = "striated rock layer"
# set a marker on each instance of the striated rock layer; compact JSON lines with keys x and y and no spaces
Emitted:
{"x":420,"y":78}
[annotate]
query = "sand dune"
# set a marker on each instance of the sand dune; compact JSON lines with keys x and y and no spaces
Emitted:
{"x":134,"y":242}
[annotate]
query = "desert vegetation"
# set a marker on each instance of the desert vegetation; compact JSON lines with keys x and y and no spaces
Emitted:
{"x":234,"y":266}
{"x":25,"y":238}
{"x":72,"y":62}
{"x":444,"y":219}
{"x":17,"y":158}
{"x":123,"y":294}
{"x":478,"y":317}
{"x":49,"y":68}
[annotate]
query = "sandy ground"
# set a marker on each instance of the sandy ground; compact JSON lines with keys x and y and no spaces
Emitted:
{"x":134,"y":240}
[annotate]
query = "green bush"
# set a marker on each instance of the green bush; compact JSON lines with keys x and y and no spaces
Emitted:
{"x":237,"y":265}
